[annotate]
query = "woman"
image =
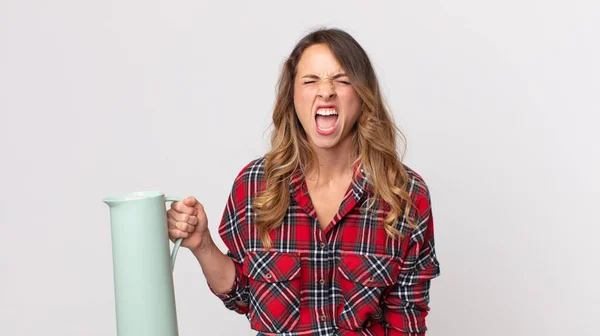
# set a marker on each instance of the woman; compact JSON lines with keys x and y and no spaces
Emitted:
{"x":328,"y":233}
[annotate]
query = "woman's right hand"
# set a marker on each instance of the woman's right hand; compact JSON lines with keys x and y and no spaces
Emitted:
{"x":187,"y":219}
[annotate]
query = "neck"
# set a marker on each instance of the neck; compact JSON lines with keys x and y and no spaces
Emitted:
{"x":332,"y":164}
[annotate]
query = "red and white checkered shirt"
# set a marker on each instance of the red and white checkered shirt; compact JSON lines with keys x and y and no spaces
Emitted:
{"x":348,"y":279}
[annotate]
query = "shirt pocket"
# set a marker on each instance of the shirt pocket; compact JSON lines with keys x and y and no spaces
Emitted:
{"x":363,"y":280}
{"x":273,"y":290}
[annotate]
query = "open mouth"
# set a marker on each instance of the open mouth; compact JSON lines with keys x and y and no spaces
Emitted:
{"x":326,"y":120}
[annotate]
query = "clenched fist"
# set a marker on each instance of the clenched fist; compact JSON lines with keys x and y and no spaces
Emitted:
{"x":187,"y":219}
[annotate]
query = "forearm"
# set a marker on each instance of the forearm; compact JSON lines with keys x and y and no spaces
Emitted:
{"x":406,"y":307}
{"x":218,"y":268}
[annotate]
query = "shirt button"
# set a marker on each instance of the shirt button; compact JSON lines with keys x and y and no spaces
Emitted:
{"x":323,"y":245}
{"x":322,"y":281}
{"x":323,"y":318}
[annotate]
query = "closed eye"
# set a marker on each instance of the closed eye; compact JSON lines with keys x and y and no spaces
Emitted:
{"x":338,"y":81}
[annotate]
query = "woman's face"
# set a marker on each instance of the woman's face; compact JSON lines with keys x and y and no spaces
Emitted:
{"x":326,"y":103}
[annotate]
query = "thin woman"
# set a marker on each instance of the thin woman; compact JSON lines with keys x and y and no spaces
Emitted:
{"x":328,"y":233}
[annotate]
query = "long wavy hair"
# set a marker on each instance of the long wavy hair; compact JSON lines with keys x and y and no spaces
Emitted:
{"x":374,"y":137}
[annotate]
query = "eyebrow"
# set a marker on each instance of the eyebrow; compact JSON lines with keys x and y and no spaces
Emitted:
{"x":336,"y":76}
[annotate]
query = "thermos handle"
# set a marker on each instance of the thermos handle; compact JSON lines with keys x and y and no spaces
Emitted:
{"x":178,"y":241}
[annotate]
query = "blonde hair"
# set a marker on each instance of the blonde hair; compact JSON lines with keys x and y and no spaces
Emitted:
{"x":374,"y":138}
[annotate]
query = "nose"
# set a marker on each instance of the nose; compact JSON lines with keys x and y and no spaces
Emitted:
{"x":326,"y":90}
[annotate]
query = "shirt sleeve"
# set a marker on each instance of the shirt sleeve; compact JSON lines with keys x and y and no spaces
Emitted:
{"x":231,"y":230}
{"x":407,"y":304}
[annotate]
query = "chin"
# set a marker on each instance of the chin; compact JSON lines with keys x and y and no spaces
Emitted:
{"x":325,"y":144}
{"x":328,"y":142}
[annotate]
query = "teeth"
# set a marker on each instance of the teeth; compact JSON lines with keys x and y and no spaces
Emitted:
{"x":326,"y":112}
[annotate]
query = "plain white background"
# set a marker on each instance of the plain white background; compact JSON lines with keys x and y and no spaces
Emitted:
{"x":499,"y":101}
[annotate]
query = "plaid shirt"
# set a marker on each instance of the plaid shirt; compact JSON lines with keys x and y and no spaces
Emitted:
{"x":345,"y":280}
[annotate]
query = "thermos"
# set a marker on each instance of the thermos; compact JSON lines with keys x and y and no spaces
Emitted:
{"x":142,"y":264}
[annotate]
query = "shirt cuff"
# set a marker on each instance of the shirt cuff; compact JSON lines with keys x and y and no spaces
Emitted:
{"x":235,"y":293}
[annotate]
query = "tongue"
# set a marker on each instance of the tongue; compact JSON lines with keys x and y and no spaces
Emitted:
{"x":325,"y":122}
